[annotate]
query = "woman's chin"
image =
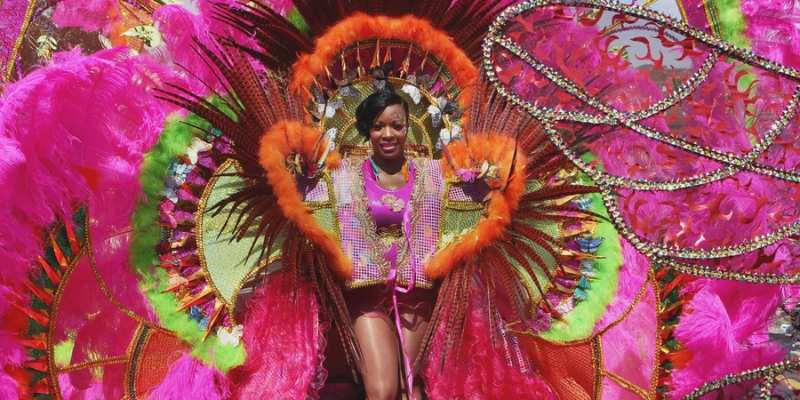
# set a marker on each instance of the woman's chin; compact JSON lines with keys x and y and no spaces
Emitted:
{"x":390,"y":155}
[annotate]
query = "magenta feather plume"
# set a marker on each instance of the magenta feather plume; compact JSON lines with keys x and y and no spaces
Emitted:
{"x":189,"y":378}
{"x":8,"y":387}
{"x":283,"y":341}
{"x":77,"y":130}
{"x":482,"y":371}
{"x":88,"y":15}
{"x":725,"y":329}
{"x":180,"y":29}
{"x":772,"y":29}
{"x":12,"y":157}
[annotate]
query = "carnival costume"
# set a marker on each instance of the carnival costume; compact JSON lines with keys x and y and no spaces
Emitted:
{"x":600,"y":201}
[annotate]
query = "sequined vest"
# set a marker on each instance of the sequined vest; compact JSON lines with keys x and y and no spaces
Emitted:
{"x":344,"y":191}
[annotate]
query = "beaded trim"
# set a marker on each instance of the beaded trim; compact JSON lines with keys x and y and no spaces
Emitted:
{"x":659,"y":249}
{"x":655,"y":16}
{"x":141,"y":337}
{"x":629,"y":119}
{"x":734,"y":163}
{"x":681,"y":93}
{"x":616,"y":117}
{"x":767,"y":371}
{"x":711,"y":273}
{"x":15,"y":51}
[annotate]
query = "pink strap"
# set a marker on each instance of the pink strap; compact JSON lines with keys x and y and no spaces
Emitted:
{"x":391,"y":281}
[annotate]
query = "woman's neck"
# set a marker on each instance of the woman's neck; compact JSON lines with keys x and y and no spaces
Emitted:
{"x":390,"y":166}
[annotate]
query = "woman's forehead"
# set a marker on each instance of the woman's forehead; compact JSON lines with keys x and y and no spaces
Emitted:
{"x":393,"y":111}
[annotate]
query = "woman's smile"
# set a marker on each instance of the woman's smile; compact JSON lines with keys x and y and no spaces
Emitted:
{"x":389,"y":147}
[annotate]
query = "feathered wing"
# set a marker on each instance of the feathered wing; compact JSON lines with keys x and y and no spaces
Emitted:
{"x":261,"y":126}
{"x":246,"y":102}
{"x":67,"y":279}
{"x":687,"y":134}
{"x":521,"y":237}
{"x":520,"y":227}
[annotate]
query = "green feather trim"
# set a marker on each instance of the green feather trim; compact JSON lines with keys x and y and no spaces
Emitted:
{"x":579,"y":323}
{"x":728,"y":22}
{"x":176,"y":137}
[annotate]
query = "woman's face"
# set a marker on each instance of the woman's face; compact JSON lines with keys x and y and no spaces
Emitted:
{"x":388,"y":133}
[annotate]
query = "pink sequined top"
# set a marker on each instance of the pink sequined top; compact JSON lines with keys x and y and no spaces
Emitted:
{"x":387,"y":207}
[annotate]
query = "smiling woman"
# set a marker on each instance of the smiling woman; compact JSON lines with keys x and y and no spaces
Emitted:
{"x":383,"y":117}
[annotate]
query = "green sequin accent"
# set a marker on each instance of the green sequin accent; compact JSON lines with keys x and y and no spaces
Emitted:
{"x":326,"y":219}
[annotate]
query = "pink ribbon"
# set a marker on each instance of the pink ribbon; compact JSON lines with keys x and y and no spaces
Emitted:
{"x":391,"y":281}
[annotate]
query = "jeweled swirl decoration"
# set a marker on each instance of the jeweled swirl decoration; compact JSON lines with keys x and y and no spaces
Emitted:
{"x":690,"y":139}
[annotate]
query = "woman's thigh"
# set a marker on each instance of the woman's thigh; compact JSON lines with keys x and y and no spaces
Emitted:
{"x":379,"y":359}
{"x":414,"y":327}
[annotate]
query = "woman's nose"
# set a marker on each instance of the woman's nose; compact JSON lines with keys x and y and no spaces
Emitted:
{"x":387,"y":131}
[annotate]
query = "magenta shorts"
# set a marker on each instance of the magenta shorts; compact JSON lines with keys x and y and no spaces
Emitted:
{"x":376,"y":301}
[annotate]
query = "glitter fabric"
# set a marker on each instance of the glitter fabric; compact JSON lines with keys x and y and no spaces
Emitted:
{"x":425,"y":222}
{"x":457,"y":193}
{"x":316,"y":192}
{"x":350,"y":230}
{"x":12,"y":18}
{"x":369,"y":266}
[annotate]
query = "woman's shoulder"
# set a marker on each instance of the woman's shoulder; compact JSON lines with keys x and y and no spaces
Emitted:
{"x":427,"y":163}
{"x":346,"y":165}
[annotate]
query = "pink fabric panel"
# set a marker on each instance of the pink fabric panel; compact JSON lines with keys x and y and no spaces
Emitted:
{"x":100,"y":329}
{"x":629,"y":347}
{"x":633,"y":273}
{"x":612,"y":390}
{"x":85,"y":385}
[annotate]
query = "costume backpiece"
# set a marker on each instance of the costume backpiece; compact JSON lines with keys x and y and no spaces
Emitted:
{"x":603,"y":199}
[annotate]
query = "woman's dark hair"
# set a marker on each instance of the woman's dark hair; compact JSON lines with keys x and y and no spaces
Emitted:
{"x":373,"y":106}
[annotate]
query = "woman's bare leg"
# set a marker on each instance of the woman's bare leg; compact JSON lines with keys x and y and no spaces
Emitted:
{"x":413,"y":333}
{"x":378,"y":341}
